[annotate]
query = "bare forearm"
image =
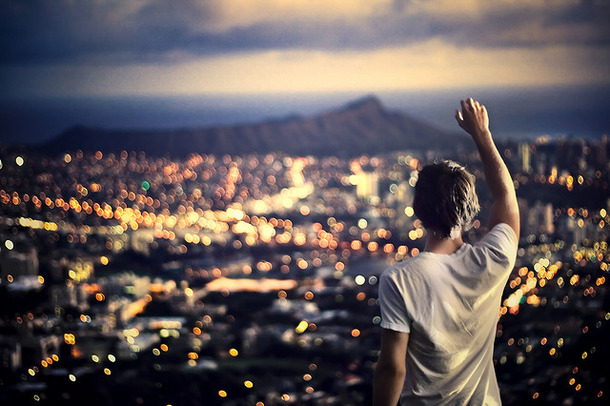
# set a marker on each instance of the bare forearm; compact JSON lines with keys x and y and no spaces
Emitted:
{"x":391,"y":370}
{"x":387,"y":386}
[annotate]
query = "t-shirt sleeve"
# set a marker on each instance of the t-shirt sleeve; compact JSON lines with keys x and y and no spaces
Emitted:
{"x":501,"y":244}
{"x":392,"y":304}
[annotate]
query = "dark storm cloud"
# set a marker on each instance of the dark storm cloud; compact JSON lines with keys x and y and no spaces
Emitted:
{"x":584,"y":24}
{"x":127,"y":31}
{"x":45,"y":30}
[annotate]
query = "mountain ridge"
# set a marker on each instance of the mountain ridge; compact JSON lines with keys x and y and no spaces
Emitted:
{"x":363,"y":126}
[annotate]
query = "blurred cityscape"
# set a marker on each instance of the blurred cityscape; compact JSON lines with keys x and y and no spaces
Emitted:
{"x":127,"y":279}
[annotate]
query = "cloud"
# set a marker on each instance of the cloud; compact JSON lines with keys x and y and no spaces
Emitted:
{"x":232,"y":14}
{"x":477,"y":8}
{"x":136,"y":31}
{"x":152,"y":47}
{"x":433,"y":64}
{"x":540,"y":23}
{"x":47,"y":31}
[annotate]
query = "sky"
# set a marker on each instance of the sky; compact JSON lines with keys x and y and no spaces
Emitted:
{"x":58,"y":49}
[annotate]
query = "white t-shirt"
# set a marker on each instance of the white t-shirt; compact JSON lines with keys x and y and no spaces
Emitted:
{"x":449,"y":305}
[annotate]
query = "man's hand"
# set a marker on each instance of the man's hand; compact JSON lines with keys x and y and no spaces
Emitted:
{"x":473,"y":118}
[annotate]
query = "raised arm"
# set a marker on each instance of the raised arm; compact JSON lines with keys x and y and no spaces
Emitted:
{"x":474,"y":120}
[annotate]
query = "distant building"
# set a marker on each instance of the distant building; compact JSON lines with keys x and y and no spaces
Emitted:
{"x":571,"y":231}
{"x":81,"y":269}
{"x":140,"y":240}
{"x":524,"y":156}
{"x":599,"y":155}
{"x":367,"y":184}
{"x":537,"y":219}
{"x":37,"y":348}
{"x":62,"y":296}
{"x":127,"y":284}
{"x":19,"y":263}
{"x":10,"y":353}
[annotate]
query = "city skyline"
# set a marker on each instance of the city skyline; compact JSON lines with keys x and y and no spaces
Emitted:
{"x":131,"y":279}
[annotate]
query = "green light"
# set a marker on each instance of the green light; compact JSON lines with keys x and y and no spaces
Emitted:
{"x":145,"y":185}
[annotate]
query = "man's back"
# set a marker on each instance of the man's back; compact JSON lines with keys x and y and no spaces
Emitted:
{"x":438,"y":317}
{"x":451,"y":304}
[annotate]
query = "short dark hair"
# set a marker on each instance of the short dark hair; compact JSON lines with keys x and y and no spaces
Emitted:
{"x":445,"y":198}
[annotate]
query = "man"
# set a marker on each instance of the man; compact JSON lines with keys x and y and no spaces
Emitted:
{"x":440,"y":308}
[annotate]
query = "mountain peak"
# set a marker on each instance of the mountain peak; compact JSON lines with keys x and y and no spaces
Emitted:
{"x":367,"y":103}
{"x":363,"y":126}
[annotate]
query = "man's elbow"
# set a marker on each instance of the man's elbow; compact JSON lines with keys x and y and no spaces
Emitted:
{"x":391,"y":371}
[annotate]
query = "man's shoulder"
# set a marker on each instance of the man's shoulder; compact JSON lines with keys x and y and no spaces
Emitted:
{"x":500,"y":237}
{"x":499,"y":245}
{"x":500,"y":231}
{"x":410,"y":267}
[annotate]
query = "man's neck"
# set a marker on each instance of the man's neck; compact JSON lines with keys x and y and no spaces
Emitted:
{"x":443,"y":246}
